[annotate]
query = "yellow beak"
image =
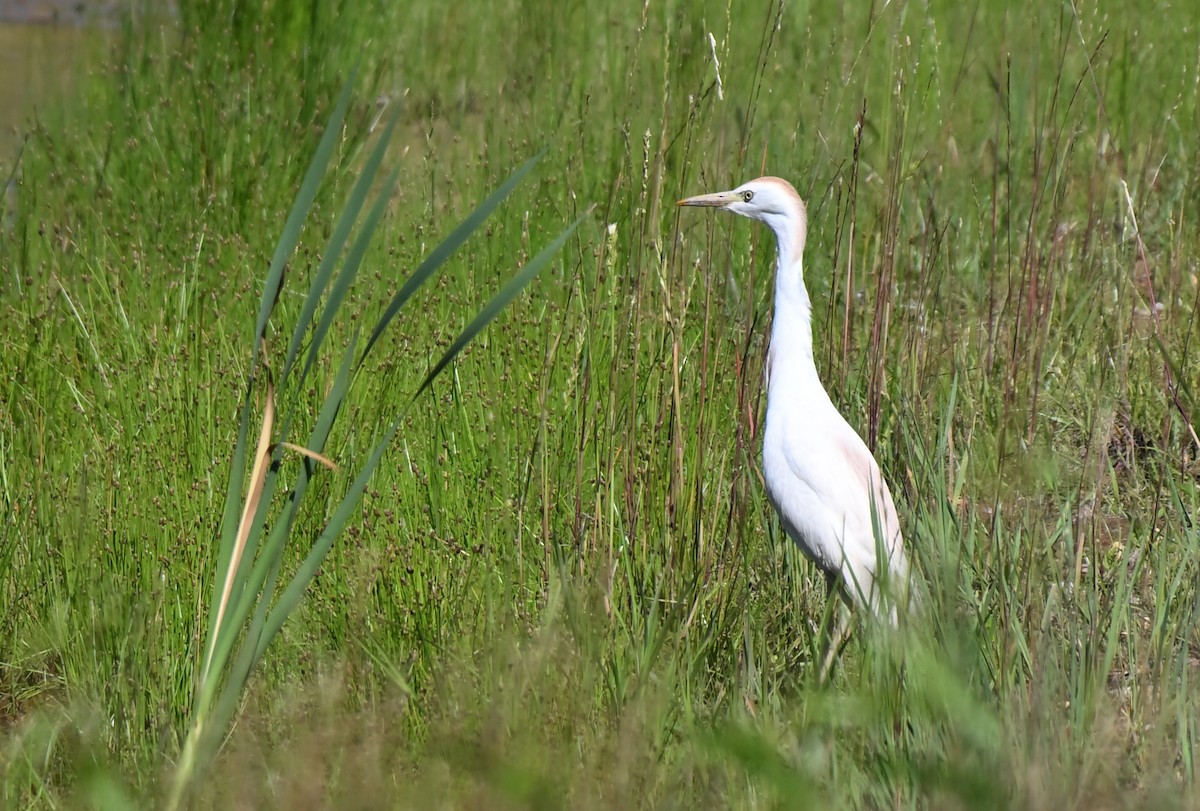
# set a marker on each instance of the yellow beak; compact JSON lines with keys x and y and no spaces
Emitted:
{"x":716,"y":200}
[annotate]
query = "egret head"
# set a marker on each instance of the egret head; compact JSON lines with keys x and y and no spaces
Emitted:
{"x":770,"y":199}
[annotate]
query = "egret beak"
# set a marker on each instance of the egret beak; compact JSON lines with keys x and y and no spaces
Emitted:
{"x":716,"y":200}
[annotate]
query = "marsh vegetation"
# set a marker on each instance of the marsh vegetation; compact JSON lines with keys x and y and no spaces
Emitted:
{"x":564,"y":586}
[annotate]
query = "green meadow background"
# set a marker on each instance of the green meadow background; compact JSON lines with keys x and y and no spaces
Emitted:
{"x":564,"y":587}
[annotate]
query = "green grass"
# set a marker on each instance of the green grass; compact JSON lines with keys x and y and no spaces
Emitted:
{"x":565,"y":587}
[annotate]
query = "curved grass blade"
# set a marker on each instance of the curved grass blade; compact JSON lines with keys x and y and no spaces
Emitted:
{"x":273,"y":549}
{"x":255,"y":587}
{"x":295,"y":591}
{"x":447,"y":247}
{"x":1185,"y":405}
{"x":337,"y":241}
{"x":310,"y":454}
{"x":250,"y":509}
{"x":304,"y":199}
{"x":341,"y":285}
{"x":229,"y":522}
{"x":501,"y":300}
{"x":320,"y":548}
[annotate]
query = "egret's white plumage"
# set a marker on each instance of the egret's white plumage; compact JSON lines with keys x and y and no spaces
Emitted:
{"x":820,"y":476}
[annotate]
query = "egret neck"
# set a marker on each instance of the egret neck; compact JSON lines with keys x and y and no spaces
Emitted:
{"x":791,"y":368}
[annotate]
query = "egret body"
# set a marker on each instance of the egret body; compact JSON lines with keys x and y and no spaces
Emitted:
{"x":820,"y":476}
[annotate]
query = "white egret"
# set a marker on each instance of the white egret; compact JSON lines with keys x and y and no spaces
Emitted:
{"x":820,"y":476}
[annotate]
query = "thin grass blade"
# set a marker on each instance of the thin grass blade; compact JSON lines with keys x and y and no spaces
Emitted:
{"x":229,"y":523}
{"x":260,"y":583}
{"x":337,"y":241}
{"x":295,"y":591}
{"x":341,"y":285}
{"x":501,"y":300}
{"x":262,"y":457}
{"x":310,"y":454}
{"x":304,"y":199}
{"x":447,"y":247}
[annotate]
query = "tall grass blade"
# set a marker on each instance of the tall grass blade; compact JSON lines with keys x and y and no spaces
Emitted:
{"x":292,"y":595}
{"x":229,"y":523}
{"x":246,"y":613}
{"x":501,"y":300}
{"x":337,"y":241}
{"x":304,"y":200}
{"x":341,"y":285}
{"x":447,"y":247}
{"x":266,"y":569}
{"x":258,"y":475}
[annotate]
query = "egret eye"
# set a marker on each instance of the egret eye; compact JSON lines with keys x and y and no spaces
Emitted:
{"x":747,"y":196}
